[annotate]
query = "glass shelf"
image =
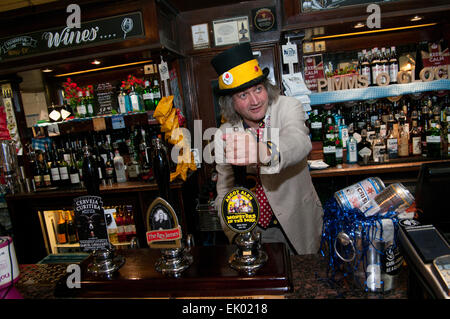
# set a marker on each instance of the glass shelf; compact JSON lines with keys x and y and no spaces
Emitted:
{"x":377,"y":92}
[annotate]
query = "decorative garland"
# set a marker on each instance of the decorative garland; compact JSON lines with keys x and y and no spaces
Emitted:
{"x":171,"y":120}
{"x":361,"y":230}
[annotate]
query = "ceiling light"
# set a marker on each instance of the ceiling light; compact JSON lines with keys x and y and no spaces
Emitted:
{"x":104,"y":68}
{"x":47,"y":70}
{"x":358,"y":25}
{"x":373,"y":31}
{"x":415,"y":18}
{"x":96,"y":62}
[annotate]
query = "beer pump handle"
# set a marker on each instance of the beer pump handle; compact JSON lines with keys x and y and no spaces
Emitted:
{"x":239,"y":175}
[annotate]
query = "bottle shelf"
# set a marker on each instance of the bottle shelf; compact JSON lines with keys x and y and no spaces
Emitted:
{"x":377,"y":92}
{"x":76,"y":245}
{"x":87,"y":124}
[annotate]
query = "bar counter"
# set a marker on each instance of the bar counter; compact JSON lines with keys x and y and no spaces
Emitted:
{"x":309,"y":277}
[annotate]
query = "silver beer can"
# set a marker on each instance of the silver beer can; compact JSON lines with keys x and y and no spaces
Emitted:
{"x":356,"y":195}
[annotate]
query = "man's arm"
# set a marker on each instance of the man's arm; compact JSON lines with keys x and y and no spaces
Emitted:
{"x":294,"y":143}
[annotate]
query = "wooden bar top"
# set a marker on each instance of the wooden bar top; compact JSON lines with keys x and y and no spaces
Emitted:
{"x":356,"y":169}
{"x":130,"y":186}
{"x":209,"y":276}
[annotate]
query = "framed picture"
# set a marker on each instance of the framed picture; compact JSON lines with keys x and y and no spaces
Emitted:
{"x":231,"y":31}
{"x":200,"y":36}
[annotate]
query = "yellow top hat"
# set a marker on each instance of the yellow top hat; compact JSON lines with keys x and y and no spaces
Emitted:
{"x":237,"y":69}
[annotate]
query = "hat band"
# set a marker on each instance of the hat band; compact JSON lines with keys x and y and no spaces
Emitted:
{"x":240,"y":75}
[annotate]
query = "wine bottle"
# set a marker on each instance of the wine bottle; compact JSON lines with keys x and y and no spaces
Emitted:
{"x":156,"y":93}
{"x":161,"y":168}
{"x":316,"y":126}
{"x":62,"y":229}
{"x":71,"y":230}
{"x":89,"y":104}
{"x":90,"y":173}
{"x":148,"y":97}
{"x":73,"y":172}
{"x":54,"y":167}
{"x":119,"y":167}
{"x":393,"y":65}
{"x":329,"y":144}
{"x":81,"y":107}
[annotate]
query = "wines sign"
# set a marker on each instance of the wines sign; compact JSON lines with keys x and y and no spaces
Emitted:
{"x":91,"y":33}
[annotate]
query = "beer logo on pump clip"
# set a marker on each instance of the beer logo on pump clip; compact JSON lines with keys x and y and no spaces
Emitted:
{"x":240,"y":210}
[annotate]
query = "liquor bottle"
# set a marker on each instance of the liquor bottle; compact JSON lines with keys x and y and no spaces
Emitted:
{"x":148,"y":97}
{"x":415,"y":139}
{"x":36,"y":167}
{"x":433,"y":136}
{"x":112,"y":229}
{"x":375,"y":65}
{"x":71,"y":230}
{"x":109,"y":170}
{"x":63,"y":171}
{"x":316,"y":126}
{"x":352,"y":156}
{"x":90,"y":173}
{"x":131,"y":224}
{"x":81,"y":107}
{"x":393,"y":65}
{"x":156,"y":93}
{"x":403,"y":141}
{"x":121,"y":98}
{"x":161,"y":169}
{"x":133,"y":165}
{"x":343,"y":133}
{"x":89,"y":104}
{"x":54,"y":167}
{"x":45,"y":169}
{"x":392,"y":139}
{"x":100,"y":165}
{"x":146,"y":155}
{"x":73,"y":172}
{"x":329,"y":144}
{"x":135,"y":100}
{"x":384,"y":64}
{"x":364,"y":147}
{"x":365,"y":67}
{"x":339,"y":149}
{"x":120,"y":221}
{"x":61,"y":229}
{"x":119,"y":167}
{"x":379,"y":148}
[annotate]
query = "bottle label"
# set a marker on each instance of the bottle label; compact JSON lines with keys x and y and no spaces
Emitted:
{"x":329,"y":149}
{"x":37,"y":180}
{"x":64,"y":173}
{"x":90,"y":108}
{"x":100,"y":173}
{"x":433,"y":139}
{"x":55,"y":174}
{"x":392,"y":145}
{"x":157,"y":95}
{"x":316,"y":125}
{"x":109,"y":171}
{"x":366,"y":72}
{"x":352,"y":157}
{"x":416,"y":145}
{"x":393,"y":72}
{"x":47,"y":180}
{"x":122,"y":107}
{"x":339,"y":152}
{"x":147,"y":96}
{"x":81,"y":109}
{"x":74,"y":178}
{"x":135,"y":102}
{"x":365,"y":151}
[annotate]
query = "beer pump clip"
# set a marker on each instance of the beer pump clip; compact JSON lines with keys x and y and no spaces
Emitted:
{"x":92,"y":231}
{"x":240,"y":212}
{"x":164,"y":233}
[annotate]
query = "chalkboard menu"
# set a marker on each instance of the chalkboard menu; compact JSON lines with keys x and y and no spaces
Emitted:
{"x":106,"y":98}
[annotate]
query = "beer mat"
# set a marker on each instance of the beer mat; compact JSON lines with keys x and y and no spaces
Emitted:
{"x":317,"y":164}
{"x":428,"y":242}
